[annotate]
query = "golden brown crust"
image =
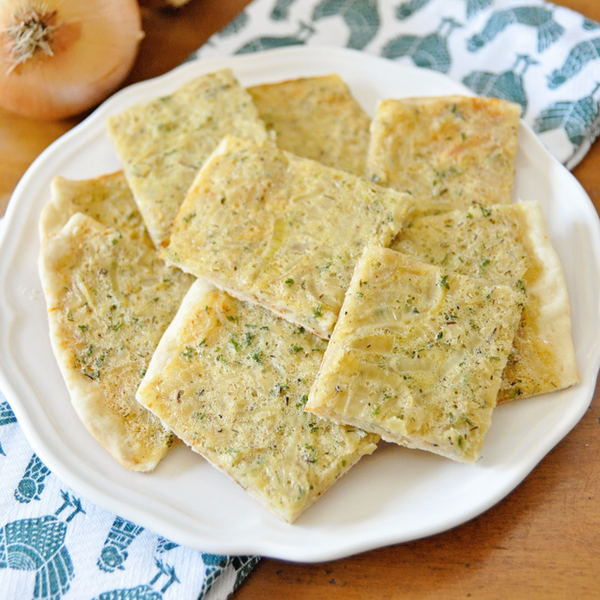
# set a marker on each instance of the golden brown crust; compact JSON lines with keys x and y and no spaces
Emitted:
{"x":231,"y":380}
{"x":163,"y":143}
{"x":448,"y":152}
{"x":543,"y":359}
{"x":280,"y":230}
{"x":417,"y":355}
{"x":317,"y":118}
{"x":106,"y":198}
{"x":508,"y":244}
{"x":109,"y":299}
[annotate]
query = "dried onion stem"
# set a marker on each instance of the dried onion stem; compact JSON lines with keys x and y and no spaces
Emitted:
{"x":30,"y":33}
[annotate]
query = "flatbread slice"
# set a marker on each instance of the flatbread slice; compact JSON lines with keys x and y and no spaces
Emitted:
{"x":543,"y":357}
{"x":163,"y":143}
{"x":508,"y":244}
{"x":448,"y":152}
{"x":317,"y":118}
{"x":231,"y":380}
{"x":109,"y":300}
{"x":279,"y":230}
{"x":107,"y":199}
{"x":417,"y":355}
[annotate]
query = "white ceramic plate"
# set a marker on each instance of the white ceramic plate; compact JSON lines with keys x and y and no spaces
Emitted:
{"x":394,"y":496}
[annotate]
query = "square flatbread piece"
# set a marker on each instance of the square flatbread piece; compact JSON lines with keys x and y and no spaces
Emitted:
{"x":231,"y":380}
{"x":280,"y":230}
{"x":163,"y":143}
{"x":109,"y":300}
{"x":317,"y":118}
{"x":417,"y":355}
{"x":448,"y":152}
{"x":107,"y":199}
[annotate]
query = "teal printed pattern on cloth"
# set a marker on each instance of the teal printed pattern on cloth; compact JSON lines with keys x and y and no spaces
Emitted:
{"x":540,"y":55}
{"x":55,"y":544}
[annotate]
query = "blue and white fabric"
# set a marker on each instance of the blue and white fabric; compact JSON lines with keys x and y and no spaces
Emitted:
{"x":540,"y":55}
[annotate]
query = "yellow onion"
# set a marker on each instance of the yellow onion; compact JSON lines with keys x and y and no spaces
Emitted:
{"x":59,"y":58}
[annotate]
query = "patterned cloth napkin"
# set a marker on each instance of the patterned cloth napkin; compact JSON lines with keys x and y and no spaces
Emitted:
{"x":540,"y":55}
{"x":55,"y":544}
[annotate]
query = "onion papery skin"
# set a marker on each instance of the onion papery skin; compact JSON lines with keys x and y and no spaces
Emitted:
{"x":94,"y":45}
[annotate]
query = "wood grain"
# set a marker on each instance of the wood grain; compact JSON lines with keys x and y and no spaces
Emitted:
{"x":542,"y":541}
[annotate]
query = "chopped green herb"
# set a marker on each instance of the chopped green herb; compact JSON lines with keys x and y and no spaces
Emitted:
{"x":514,"y":393}
{"x":279,"y":388}
{"x":236,"y":345}
{"x":91,"y":374}
{"x":311,"y":458}
{"x":303,"y":400}
{"x":188,"y":352}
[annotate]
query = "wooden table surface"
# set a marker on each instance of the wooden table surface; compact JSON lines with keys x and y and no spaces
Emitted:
{"x":542,"y":541}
